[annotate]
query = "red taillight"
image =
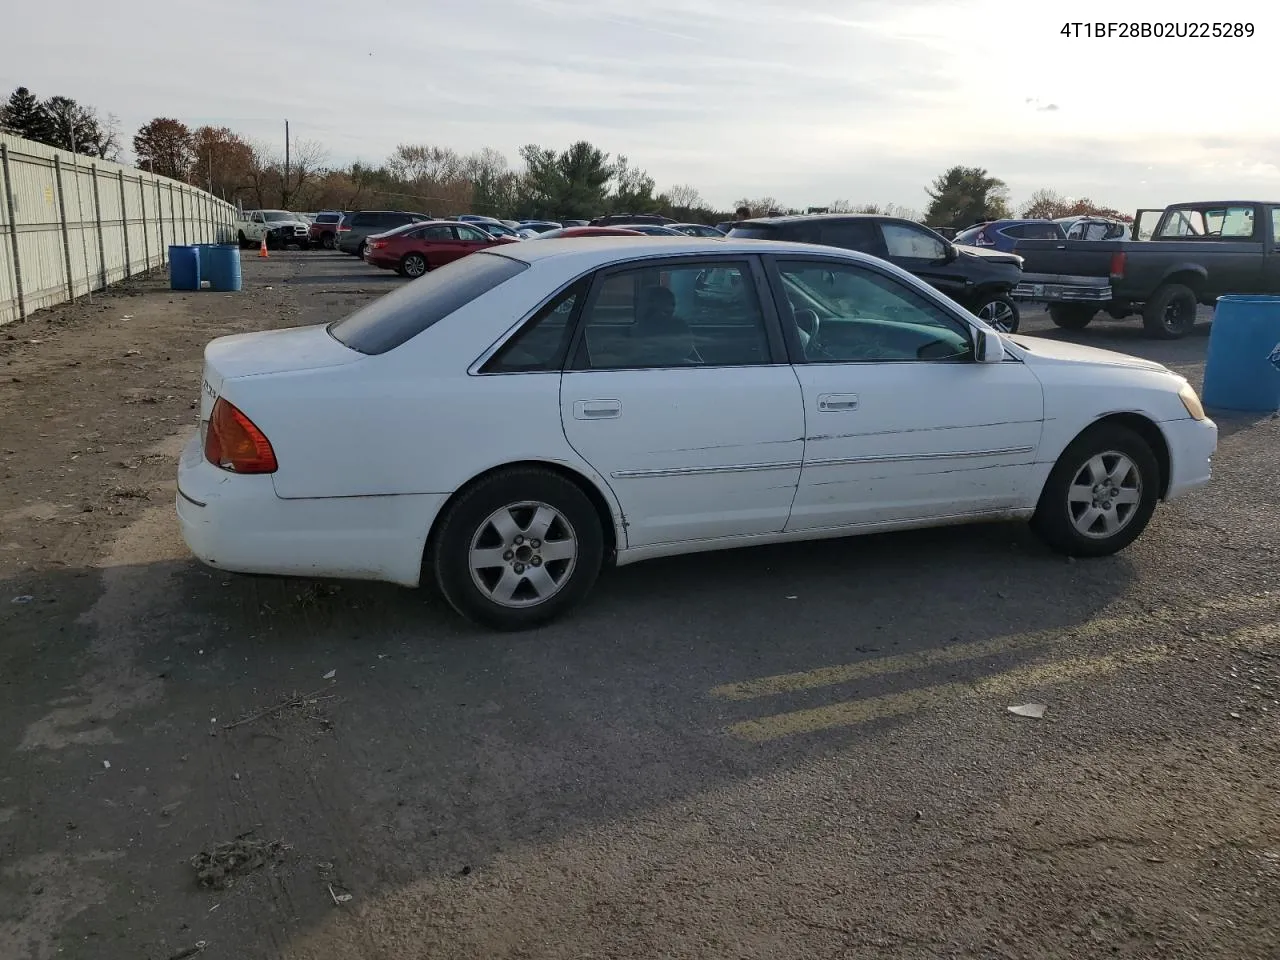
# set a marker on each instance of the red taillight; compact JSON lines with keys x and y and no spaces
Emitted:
{"x":1117,"y":264}
{"x":377,"y":244}
{"x":234,"y":443}
{"x":342,"y":228}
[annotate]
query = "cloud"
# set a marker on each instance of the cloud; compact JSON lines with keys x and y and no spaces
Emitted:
{"x":803,"y":99}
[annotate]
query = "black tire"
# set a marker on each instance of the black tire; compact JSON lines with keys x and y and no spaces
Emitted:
{"x":413,"y":265}
{"x":244,"y":241}
{"x":999,"y":311}
{"x":1058,"y":520}
{"x":466,"y":519}
{"x":1170,"y":314}
{"x":326,"y":241}
{"x":364,"y":244}
{"x":1070,"y":316}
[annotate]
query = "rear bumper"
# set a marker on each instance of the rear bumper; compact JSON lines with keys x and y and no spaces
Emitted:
{"x":238,"y":524}
{"x":1050,"y":288}
{"x":376,"y":260}
{"x":1192,"y":444}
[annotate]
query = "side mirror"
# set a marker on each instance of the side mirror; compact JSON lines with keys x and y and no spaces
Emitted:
{"x":988,"y":346}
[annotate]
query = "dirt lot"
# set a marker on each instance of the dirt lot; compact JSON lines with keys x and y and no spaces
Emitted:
{"x":795,"y":752}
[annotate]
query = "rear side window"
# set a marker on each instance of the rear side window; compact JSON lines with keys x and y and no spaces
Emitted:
{"x":1034,"y":231}
{"x":754,"y":233}
{"x":850,"y":235}
{"x":400,"y":316}
{"x":364,"y":219}
{"x":328,"y":218}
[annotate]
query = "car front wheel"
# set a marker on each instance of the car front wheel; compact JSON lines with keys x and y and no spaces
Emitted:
{"x":1101,"y":493}
{"x":999,"y":312}
{"x":517,"y":549}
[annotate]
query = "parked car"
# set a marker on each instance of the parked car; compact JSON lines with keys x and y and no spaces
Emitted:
{"x":516,"y":420}
{"x":324,"y":229}
{"x":280,"y":227}
{"x":696,"y":230}
{"x":1093,"y":228}
{"x":626,"y":219}
{"x":575,"y":223}
{"x":978,"y":280}
{"x":652,"y":229}
{"x":540,"y":226}
{"x":413,"y":250}
{"x":527,"y":233}
{"x":496,"y":228}
{"x":589,"y":232}
{"x":1196,"y":253}
{"x":355,"y":228}
{"x":1005,"y":234}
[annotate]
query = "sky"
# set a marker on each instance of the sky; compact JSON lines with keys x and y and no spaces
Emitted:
{"x":808,"y":101}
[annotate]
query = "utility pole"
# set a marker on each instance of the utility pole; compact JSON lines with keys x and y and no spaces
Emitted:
{"x":284,"y":199}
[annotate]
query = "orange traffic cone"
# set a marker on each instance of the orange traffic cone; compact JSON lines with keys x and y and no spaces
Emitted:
{"x":262,"y":249}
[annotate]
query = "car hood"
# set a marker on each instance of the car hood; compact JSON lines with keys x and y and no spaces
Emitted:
{"x":988,"y":255}
{"x":1057,"y":351}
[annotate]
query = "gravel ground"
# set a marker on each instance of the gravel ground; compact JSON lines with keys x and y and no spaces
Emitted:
{"x":799,"y":751}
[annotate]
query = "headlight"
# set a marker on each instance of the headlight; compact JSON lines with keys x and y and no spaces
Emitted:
{"x":1192,"y":402}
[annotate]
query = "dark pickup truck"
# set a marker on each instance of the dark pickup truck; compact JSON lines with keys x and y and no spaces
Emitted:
{"x":1195,"y":253}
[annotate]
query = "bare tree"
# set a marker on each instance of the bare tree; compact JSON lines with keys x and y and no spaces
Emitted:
{"x":420,"y":163}
{"x":306,"y":163}
{"x":684,"y":196}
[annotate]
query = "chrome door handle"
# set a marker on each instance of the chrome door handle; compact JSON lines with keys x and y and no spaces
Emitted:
{"x":596,"y":409}
{"x":831,"y":402}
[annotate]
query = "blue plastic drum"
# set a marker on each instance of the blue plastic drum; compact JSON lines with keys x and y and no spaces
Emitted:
{"x":220,"y":265}
{"x":184,"y":268}
{"x":1239,"y":373}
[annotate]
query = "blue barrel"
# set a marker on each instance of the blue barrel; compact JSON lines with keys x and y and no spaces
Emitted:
{"x":1238,"y":373}
{"x":184,"y":268}
{"x":220,"y":265}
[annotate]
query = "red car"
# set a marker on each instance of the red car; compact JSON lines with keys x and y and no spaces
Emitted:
{"x":413,"y":250}
{"x":589,"y":232}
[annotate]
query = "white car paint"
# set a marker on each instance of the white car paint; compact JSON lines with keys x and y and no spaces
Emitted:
{"x":254,"y":224}
{"x":372,"y":447}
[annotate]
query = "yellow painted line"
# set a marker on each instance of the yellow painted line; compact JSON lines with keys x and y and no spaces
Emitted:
{"x":960,"y":652}
{"x":1005,"y":684}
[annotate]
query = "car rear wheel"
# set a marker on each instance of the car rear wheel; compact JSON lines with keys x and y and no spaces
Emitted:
{"x":1101,"y":493}
{"x":413,"y":265}
{"x":1171,"y":313}
{"x":999,"y":312}
{"x":1071,"y":316}
{"x":326,"y":241}
{"x":517,"y":549}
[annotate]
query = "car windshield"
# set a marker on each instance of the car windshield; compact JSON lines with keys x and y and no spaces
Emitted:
{"x":328,"y":218}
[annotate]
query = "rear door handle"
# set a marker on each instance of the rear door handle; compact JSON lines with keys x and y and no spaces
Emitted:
{"x":832,"y":402}
{"x":596,"y":409}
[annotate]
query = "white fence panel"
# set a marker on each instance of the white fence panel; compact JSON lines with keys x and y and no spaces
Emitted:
{"x":71,"y":224}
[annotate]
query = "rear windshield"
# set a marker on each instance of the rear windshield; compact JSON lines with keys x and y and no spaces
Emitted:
{"x":328,"y":217}
{"x":400,"y":316}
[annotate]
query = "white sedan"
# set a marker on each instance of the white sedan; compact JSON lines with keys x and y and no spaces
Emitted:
{"x":512,"y":422}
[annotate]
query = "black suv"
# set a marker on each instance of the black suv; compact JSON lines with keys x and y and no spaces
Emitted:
{"x":355,"y":227}
{"x":978,"y":280}
{"x":617,"y":219}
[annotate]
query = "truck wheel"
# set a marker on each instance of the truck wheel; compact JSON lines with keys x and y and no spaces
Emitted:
{"x":1070,"y":316}
{"x":1170,"y":314}
{"x":244,"y":241}
{"x":1000,"y":312}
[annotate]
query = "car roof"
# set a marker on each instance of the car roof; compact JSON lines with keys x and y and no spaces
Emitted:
{"x":589,"y":253}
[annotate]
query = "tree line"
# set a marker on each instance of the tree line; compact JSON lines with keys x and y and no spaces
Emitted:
{"x":578,"y":182}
